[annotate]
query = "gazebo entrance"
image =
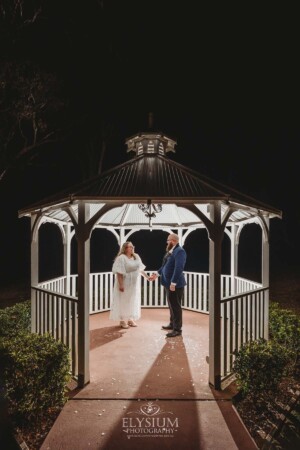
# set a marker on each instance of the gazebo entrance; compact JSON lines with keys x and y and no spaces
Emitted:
{"x":152,"y":192}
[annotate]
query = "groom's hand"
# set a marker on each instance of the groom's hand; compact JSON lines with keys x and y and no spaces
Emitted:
{"x":153,"y":277}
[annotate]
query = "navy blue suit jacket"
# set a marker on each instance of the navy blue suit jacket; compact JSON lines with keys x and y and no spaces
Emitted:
{"x":172,"y":270}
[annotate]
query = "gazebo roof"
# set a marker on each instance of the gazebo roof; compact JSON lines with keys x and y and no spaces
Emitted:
{"x":150,"y":177}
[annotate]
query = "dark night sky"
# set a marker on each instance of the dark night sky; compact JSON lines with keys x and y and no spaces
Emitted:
{"x":223,"y":83}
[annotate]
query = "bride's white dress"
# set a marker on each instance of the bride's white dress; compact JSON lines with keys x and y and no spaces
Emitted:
{"x":127,"y":305}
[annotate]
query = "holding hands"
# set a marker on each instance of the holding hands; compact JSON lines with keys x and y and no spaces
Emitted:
{"x":153,"y":277}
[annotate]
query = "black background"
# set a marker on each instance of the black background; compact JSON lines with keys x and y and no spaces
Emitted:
{"x":221,"y":80}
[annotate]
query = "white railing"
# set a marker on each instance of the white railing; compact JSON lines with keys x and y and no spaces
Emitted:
{"x":242,"y":308}
{"x":243,"y":319}
{"x":56,"y":314}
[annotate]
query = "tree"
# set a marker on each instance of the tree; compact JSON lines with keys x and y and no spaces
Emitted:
{"x":61,"y":70}
{"x":31,"y":112}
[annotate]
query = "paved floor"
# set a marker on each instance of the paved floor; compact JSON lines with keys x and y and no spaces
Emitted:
{"x":148,"y":391}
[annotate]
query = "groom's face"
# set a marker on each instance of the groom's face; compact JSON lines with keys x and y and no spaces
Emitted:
{"x":170,"y":244}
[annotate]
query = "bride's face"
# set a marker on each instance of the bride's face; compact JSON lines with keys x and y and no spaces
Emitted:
{"x":129,"y":249}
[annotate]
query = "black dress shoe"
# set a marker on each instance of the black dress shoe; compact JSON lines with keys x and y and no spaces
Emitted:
{"x":167,"y":327}
{"x":173,"y":333}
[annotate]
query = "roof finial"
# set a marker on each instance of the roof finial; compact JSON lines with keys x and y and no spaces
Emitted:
{"x":150,"y":120}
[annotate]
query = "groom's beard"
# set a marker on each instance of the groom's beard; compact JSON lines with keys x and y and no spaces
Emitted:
{"x":169,"y":247}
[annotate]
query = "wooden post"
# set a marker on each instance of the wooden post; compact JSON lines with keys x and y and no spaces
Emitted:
{"x":34,"y":267}
{"x":215,"y":251}
{"x":266,"y":274}
{"x":83,"y":242}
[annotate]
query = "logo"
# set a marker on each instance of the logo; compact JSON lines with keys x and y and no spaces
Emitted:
{"x":150,"y":421}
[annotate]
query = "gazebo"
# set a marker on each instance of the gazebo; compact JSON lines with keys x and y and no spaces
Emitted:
{"x":148,"y":192}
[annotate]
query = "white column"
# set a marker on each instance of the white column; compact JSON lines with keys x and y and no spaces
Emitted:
{"x":266,"y":274}
{"x":233,"y":258}
{"x":34,"y":267}
{"x":83,"y":242}
{"x":122,"y":237}
{"x":67,"y":256}
{"x":180,"y":236}
{"x":215,"y":251}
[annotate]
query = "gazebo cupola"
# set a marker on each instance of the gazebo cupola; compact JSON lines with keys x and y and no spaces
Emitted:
{"x":150,"y":143}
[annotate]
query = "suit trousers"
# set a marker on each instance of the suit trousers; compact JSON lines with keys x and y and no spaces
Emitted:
{"x":174,"y":299}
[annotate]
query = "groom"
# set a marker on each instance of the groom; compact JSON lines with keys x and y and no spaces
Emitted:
{"x":173,"y":280}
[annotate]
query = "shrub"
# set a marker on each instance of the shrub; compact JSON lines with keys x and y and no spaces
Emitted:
{"x":284,"y":328}
{"x":15,"y":319}
{"x":259,"y":367}
{"x":34,"y":371}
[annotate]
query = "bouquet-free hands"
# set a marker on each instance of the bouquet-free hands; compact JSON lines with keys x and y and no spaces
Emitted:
{"x":153,"y":277}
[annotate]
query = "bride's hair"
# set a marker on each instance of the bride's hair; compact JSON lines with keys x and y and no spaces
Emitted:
{"x":122,"y":250}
